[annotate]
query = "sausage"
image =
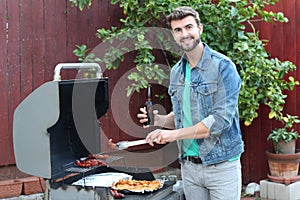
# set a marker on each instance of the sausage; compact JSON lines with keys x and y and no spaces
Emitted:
{"x":116,"y":194}
{"x":89,"y":162}
{"x":77,"y":162}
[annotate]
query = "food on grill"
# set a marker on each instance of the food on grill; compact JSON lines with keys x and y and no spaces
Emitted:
{"x":102,"y":179}
{"x":92,"y":161}
{"x":116,"y":194}
{"x":137,"y":185}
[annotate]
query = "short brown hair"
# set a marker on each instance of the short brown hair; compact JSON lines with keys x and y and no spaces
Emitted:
{"x":182,"y":12}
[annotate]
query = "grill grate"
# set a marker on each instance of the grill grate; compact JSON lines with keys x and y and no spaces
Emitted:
{"x":77,"y":169}
{"x":111,"y":159}
{"x":72,"y":167}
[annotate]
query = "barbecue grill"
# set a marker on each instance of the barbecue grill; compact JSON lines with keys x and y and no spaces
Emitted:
{"x":57,"y":124}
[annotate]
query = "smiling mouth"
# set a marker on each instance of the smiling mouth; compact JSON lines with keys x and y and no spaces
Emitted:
{"x":183,"y":40}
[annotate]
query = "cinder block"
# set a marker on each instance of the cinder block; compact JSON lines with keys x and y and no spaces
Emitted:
{"x":295,"y":191}
{"x":278,"y":191}
{"x":263,"y":188}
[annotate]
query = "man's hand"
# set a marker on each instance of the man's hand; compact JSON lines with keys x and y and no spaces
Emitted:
{"x":111,"y":144}
{"x":159,"y":120}
{"x":143,"y":116}
{"x":161,"y":136}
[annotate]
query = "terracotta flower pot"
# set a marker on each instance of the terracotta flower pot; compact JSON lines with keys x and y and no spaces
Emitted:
{"x":283,"y":165}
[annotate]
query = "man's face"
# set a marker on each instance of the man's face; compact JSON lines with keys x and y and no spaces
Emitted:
{"x":186,"y":32}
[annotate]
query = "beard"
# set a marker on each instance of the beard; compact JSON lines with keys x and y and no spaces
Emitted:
{"x":192,"y":46}
{"x":189,"y":47}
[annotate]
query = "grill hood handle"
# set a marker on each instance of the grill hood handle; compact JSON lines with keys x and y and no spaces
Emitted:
{"x":60,"y":66}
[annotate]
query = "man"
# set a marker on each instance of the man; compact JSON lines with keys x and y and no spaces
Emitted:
{"x":204,"y":88}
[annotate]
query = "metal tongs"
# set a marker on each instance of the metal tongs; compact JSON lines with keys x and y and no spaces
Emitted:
{"x":126,"y":144}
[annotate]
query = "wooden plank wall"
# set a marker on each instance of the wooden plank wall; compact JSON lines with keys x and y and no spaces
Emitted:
{"x":37,"y":35}
{"x":284,"y":43}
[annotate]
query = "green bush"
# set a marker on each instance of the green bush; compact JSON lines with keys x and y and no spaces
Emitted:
{"x":229,"y":27}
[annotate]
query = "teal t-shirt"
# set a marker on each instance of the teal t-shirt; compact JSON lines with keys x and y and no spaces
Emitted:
{"x":190,"y":146}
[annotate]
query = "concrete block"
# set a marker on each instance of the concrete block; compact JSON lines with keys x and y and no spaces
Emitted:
{"x":263,"y":188}
{"x":278,"y":191}
{"x":295,"y":191}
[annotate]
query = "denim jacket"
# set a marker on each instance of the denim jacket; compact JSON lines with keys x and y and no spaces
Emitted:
{"x":214,"y":88}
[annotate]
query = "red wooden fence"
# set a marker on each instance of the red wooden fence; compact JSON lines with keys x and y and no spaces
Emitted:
{"x":284,"y":43}
{"x":37,"y":35}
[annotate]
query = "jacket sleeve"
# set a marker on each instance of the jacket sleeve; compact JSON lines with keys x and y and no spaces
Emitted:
{"x":224,"y":100}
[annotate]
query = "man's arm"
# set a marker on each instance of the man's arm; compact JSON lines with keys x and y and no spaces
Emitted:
{"x":197,"y":131}
{"x":165,"y":121}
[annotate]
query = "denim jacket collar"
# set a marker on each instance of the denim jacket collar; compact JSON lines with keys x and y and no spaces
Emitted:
{"x":204,"y":61}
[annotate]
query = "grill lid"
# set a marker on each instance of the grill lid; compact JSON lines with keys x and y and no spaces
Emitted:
{"x":32,"y":118}
{"x":57,"y":124}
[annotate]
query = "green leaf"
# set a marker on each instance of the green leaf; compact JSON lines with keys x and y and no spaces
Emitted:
{"x":272,"y":114}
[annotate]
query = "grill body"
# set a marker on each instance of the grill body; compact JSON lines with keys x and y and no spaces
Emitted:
{"x":57,"y":124}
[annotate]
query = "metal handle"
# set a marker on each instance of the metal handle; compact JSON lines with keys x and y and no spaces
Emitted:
{"x":126,"y":144}
{"x":58,"y":68}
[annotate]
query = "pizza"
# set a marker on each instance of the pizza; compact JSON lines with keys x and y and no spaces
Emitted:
{"x":137,"y":185}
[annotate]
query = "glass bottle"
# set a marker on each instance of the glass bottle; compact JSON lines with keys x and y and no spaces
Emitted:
{"x":149,"y":107}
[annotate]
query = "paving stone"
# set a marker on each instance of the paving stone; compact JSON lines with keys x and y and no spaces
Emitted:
{"x":39,"y":196}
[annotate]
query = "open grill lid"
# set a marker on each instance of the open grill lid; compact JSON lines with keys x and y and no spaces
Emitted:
{"x":58,"y":123}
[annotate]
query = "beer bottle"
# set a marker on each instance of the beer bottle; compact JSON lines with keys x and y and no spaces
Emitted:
{"x":149,"y":107}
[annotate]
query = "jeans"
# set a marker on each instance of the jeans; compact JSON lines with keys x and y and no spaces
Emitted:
{"x":221,"y":181}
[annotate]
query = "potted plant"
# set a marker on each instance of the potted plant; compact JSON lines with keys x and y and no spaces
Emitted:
{"x":284,"y":139}
{"x":284,"y":160}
